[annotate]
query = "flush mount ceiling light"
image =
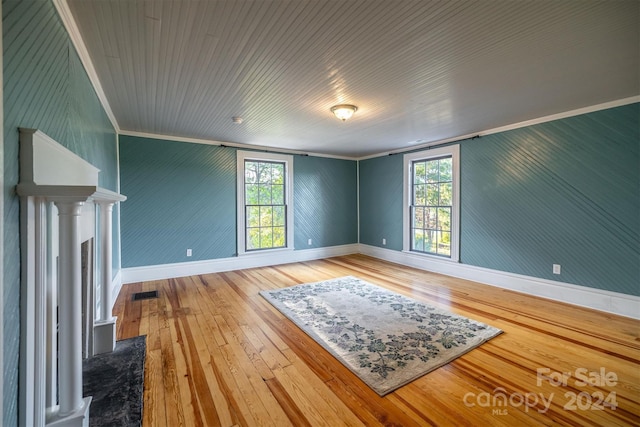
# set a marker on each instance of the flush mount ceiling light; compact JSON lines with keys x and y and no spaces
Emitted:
{"x":237,"y":120}
{"x":344,"y":111}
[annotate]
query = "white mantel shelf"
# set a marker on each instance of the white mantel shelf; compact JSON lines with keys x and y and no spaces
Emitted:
{"x":69,"y":192}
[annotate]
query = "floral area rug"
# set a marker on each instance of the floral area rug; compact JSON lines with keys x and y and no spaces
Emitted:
{"x":385,"y":338}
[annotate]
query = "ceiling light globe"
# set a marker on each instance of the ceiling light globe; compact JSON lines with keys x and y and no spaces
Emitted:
{"x":344,"y":111}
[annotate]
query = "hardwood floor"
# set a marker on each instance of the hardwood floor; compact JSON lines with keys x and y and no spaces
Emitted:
{"x":218,"y":354}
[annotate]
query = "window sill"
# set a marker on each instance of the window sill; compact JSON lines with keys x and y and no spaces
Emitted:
{"x":432,"y":257}
{"x":264,"y":252}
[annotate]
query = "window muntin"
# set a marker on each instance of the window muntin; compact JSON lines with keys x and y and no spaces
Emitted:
{"x":265,"y":205}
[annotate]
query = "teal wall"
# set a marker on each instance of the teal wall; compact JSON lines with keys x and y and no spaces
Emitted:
{"x":183,"y":195}
{"x":325,"y":202}
{"x":381,"y":201}
{"x":45,"y":87}
{"x":180,"y":196}
{"x":564,"y":192}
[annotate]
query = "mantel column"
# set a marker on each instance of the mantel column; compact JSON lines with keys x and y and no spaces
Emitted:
{"x":106,"y":210}
{"x":105,"y":326}
{"x":70,"y":303}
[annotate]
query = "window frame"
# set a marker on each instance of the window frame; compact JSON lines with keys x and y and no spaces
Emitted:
{"x":408,"y":160}
{"x":241,"y":225}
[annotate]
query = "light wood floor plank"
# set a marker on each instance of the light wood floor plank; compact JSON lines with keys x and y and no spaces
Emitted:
{"x":220,"y":354}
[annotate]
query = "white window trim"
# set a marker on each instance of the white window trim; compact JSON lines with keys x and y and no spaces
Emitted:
{"x":408,"y":159}
{"x":240,"y":227}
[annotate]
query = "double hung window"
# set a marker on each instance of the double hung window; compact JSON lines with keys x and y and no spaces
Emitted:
{"x":431,"y":202}
{"x":264,"y":201}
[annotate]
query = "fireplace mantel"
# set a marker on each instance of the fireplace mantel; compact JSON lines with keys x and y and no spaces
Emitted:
{"x":54,"y":179}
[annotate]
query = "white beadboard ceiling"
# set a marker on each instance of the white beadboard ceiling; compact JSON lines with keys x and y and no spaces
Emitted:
{"x":419,"y":71}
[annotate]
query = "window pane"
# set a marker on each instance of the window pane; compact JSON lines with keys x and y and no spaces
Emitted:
{"x":278,"y":216}
{"x":444,"y":219}
{"x":445,"y":194}
{"x":445,"y":169}
{"x":419,"y":173}
{"x":418,"y":240}
{"x":250,"y":172}
{"x":251,"y":194}
{"x":265,"y":194}
{"x":253,"y":216}
{"x":266,"y":237}
{"x":264,"y":172}
{"x":431,"y":218}
{"x":432,"y":171}
{"x":277,"y":194}
{"x":432,"y":195}
{"x":419,"y":195}
{"x":430,"y":241}
{"x":277,"y":173}
{"x":279,"y":240}
{"x":253,"y":238}
{"x":266,"y":216}
{"x":444,"y":243}
{"x":418,"y":217}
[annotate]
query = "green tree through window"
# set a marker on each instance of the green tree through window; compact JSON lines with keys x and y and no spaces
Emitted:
{"x":265,"y":205}
{"x":431,"y":206}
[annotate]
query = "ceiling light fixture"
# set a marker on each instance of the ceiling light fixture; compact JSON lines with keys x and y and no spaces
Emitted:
{"x":237,"y":120}
{"x":344,"y":111}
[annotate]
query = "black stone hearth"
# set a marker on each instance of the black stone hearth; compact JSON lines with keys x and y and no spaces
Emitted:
{"x":116,"y":382}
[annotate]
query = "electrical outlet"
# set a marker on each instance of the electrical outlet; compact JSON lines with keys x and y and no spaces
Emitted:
{"x":556,"y":269}
{"x":189,"y":252}
{"x":309,"y":242}
{"x":384,"y":242}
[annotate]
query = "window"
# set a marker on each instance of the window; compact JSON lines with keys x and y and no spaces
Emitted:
{"x":431,"y":202}
{"x":265,"y":220}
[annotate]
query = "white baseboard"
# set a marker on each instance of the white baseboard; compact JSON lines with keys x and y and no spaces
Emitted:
{"x":598,"y":299}
{"x":167,"y":271}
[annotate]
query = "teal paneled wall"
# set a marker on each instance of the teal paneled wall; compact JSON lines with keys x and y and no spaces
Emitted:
{"x":90,"y":132}
{"x":183,"y":195}
{"x":564,"y":192}
{"x":325,"y":202}
{"x":45,"y":87}
{"x":381,"y":201}
{"x":180,"y":196}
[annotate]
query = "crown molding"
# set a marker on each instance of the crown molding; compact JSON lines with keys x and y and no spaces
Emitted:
{"x":74,"y":33}
{"x":544,"y":119}
{"x":76,"y":38}
{"x":232,"y":144}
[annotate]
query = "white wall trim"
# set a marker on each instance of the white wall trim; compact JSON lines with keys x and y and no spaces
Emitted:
{"x":168,"y":271}
{"x":1,"y":229}
{"x":597,"y":299}
{"x":232,"y":144}
{"x":544,"y":119}
{"x":76,"y":38}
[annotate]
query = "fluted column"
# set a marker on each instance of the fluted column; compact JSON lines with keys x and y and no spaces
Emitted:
{"x":70,"y":303}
